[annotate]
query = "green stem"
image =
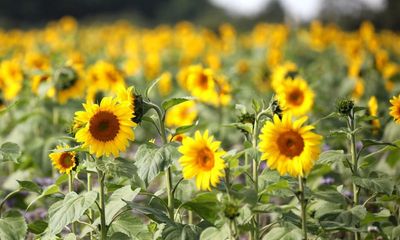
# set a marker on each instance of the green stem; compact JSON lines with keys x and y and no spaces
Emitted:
{"x":190,"y":217}
{"x":354,"y":162}
{"x":102,"y":207}
{"x":303,"y":204}
{"x":71,"y":189}
{"x":89,"y":188}
{"x":168,"y":172}
{"x":255,"y":233}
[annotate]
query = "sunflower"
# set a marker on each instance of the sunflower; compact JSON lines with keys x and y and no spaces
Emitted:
{"x":373,"y":111}
{"x":68,"y":84}
{"x":288,"y":70}
{"x":62,"y":160}
{"x":288,"y":146}
{"x":106,"y":128}
{"x":395,"y":108}
{"x":296,"y":96}
{"x":202,"y":159}
{"x":181,"y":115}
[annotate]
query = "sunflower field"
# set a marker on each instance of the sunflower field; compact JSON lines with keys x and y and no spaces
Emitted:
{"x":114,"y":131}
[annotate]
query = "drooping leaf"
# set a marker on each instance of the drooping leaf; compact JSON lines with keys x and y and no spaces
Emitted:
{"x":213,"y":233}
{"x":280,"y":233}
{"x":152,"y":213}
{"x":37,"y":227}
{"x":187,"y":128}
{"x":151,"y":160}
{"x":70,"y":209}
{"x":131,"y":226}
{"x":376,"y":184}
{"x":331,"y":156}
{"x":116,"y":203}
{"x":30,"y":186}
{"x":204,"y":204}
{"x":13,"y":226}
{"x":181,"y":232}
{"x":52,"y":189}
{"x":167,"y":104}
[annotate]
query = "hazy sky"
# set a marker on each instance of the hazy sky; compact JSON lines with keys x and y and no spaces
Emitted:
{"x":303,"y":10}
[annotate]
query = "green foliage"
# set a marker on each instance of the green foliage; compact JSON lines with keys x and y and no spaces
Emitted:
{"x":70,"y":209}
{"x":151,"y":160}
{"x":9,"y":152}
{"x":13,"y":226}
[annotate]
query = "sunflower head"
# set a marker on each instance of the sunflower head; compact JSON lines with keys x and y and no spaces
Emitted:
{"x":65,"y":78}
{"x":106,"y":128}
{"x":64,"y":161}
{"x":202,"y":158}
{"x":288,"y":146}
{"x":296,"y":96}
{"x":395,"y":108}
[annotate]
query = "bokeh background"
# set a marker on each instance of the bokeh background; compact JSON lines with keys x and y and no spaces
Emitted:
{"x":211,"y":13}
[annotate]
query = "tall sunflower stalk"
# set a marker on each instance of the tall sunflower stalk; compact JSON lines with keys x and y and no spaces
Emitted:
{"x":168,"y":172}
{"x":105,"y":130}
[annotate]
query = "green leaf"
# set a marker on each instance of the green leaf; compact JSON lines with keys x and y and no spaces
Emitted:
{"x":13,"y":226}
{"x":332,"y":196}
{"x":61,"y":179}
{"x":9,"y":152}
{"x":378,"y":184}
{"x":70,"y":236}
{"x":154,"y":214}
{"x":52,"y":189}
{"x":184,"y":129}
{"x":181,"y":231}
{"x":167,"y":104}
{"x":396,"y":232}
{"x":204,"y":204}
{"x":151,"y":86}
{"x":213,"y":233}
{"x":29,"y":186}
{"x":151,"y":160}
{"x":69,"y":210}
{"x":371,"y":142}
{"x":37,"y":227}
{"x":247,"y":127}
{"x":118,"y":167}
{"x":131,"y":226}
{"x":280,"y":233}
{"x":120,"y":236}
{"x":116,"y":203}
{"x":331,"y":156}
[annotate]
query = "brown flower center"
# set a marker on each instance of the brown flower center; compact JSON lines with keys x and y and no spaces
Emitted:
{"x":205,"y":159}
{"x":66,"y":160}
{"x":104,"y":126}
{"x":296,"y":97}
{"x":290,"y":143}
{"x":203,"y":81}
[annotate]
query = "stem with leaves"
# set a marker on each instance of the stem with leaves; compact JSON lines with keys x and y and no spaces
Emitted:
{"x":255,"y":233}
{"x":89,"y":188}
{"x":71,"y":189}
{"x":102,"y":206}
{"x":168,"y":172}
{"x":303,"y":205}
{"x":351,"y":122}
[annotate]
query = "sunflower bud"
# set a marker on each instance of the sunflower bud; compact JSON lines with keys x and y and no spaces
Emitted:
{"x":276,"y":108}
{"x":291,"y":74}
{"x":345,"y":106}
{"x":247,"y":118}
{"x":231,"y":211}
{"x":140,"y":108}
{"x":65,"y":77}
